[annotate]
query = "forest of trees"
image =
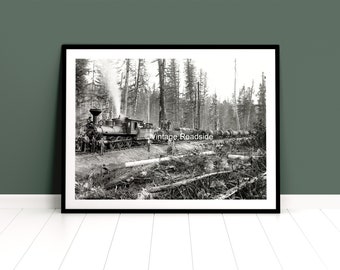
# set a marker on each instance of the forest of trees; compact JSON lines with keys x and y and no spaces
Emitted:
{"x":124,"y":87}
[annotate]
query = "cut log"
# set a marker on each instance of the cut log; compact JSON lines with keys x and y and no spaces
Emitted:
{"x":157,"y":160}
{"x":232,"y":191}
{"x":184,"y":182}
{"x":241,"y":157}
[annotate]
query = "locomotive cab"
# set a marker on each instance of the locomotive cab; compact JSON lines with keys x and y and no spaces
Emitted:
{"x":132,"y":126}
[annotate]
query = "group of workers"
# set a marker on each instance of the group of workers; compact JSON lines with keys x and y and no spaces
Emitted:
{"x":85,"y":143}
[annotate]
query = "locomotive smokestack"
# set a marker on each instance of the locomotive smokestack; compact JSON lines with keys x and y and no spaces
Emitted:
{"x":95,"y":113}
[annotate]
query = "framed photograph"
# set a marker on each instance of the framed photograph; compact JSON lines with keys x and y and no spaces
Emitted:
{"x":171,"y":128}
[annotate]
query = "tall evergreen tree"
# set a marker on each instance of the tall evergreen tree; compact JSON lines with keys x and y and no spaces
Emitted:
{"x":250,"y":106}
{"x":161,"y":75}
{"x":203,"y":79}
{"x":172,"y":92}
{"x":154,"y":105}
{"x":231,"y":118}
{"x":213,"y":112}
{"x":241,"y":106}
{"x":141,"y":91}
{"x":190,"y":86}
{"x":262,"y":100}
{"x":82,"y":70}
{"x":126,"y":87}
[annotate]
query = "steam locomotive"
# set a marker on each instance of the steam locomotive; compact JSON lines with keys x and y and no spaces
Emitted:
{"x":118,"y":133}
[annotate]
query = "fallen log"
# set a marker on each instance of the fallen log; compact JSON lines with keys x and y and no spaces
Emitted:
{"x":168,"y":158}
{"x":157,"y":160}
{"x":242,"y":157}
{"x":184,"y":182}
{"x":243,"y":184}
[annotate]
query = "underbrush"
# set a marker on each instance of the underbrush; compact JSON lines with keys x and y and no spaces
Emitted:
{"x":232,"y":175}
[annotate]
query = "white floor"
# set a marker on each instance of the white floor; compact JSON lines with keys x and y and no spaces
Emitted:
{"x":45,"y":239}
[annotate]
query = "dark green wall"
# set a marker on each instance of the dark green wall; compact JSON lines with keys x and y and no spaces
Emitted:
{"x":31,"y":34}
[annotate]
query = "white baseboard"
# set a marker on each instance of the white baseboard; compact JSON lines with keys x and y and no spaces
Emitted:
{"x":30,"y":201}
{"x":331,"y":201}
{"x":287,"y":201}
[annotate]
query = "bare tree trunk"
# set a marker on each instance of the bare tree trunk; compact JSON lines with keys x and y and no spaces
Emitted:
{"x":198,"y":106}
{"x":177,"y":101}
{"x":235,"y":101}
{"x":126,"y":94}
{"x":148,"y":97}
{"x":136,"y":88}
{"x":195,"y":108}
{"x":215,"y":112}
{"x":121,"y":80}
{"x":251,"y":96}
{"x":93,"y":85}
{"x":161,"y":67}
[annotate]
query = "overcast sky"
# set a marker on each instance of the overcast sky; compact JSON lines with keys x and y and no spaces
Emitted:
{"x":219,"y":65}
{"x":221,"y":71}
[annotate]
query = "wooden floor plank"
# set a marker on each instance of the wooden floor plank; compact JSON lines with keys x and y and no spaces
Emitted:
{"x":334,"y":216}
{"x":131,"y":246}
{"x":250,"y":244}
{"x":171,"y":247}
{"x":19,"y":235}
{"x":42,"y":239}
{"x":91,"y":244}
{"x":6,"y":217}
{"x":321,"y":233}
{"x":210,"y":243}
{"x":289,"y":243}
{"x":51,"y":245}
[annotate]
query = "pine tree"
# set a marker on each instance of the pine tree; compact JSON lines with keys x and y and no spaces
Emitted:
{"x":141,"y":91}
{"x":250,"y":106}
{"x":223,"y":115}
{"x":136,"y":88}
{"x":98,"y":92}
{"x":235,"y":102}
{"x":154,"y":105}
{"x":262,"y":100}
{"x":203,"y":80}
{"x":172,"y":92}
{"x":82,"y":70}
{"x":190,"y":85}
{"x":126,"y":87}
{"x":241,"y":106}
{"x":161,"y":74}
{"x":230,"y":118}
{"x":213,"y":112}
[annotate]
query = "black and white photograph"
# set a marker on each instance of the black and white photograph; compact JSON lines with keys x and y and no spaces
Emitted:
{"x":171,"y":128}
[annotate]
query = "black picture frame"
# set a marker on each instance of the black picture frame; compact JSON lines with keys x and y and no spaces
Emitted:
{"x":69,"y":47}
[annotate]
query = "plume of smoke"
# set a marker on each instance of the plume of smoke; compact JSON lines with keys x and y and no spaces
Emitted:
{"x":110,"y":76}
